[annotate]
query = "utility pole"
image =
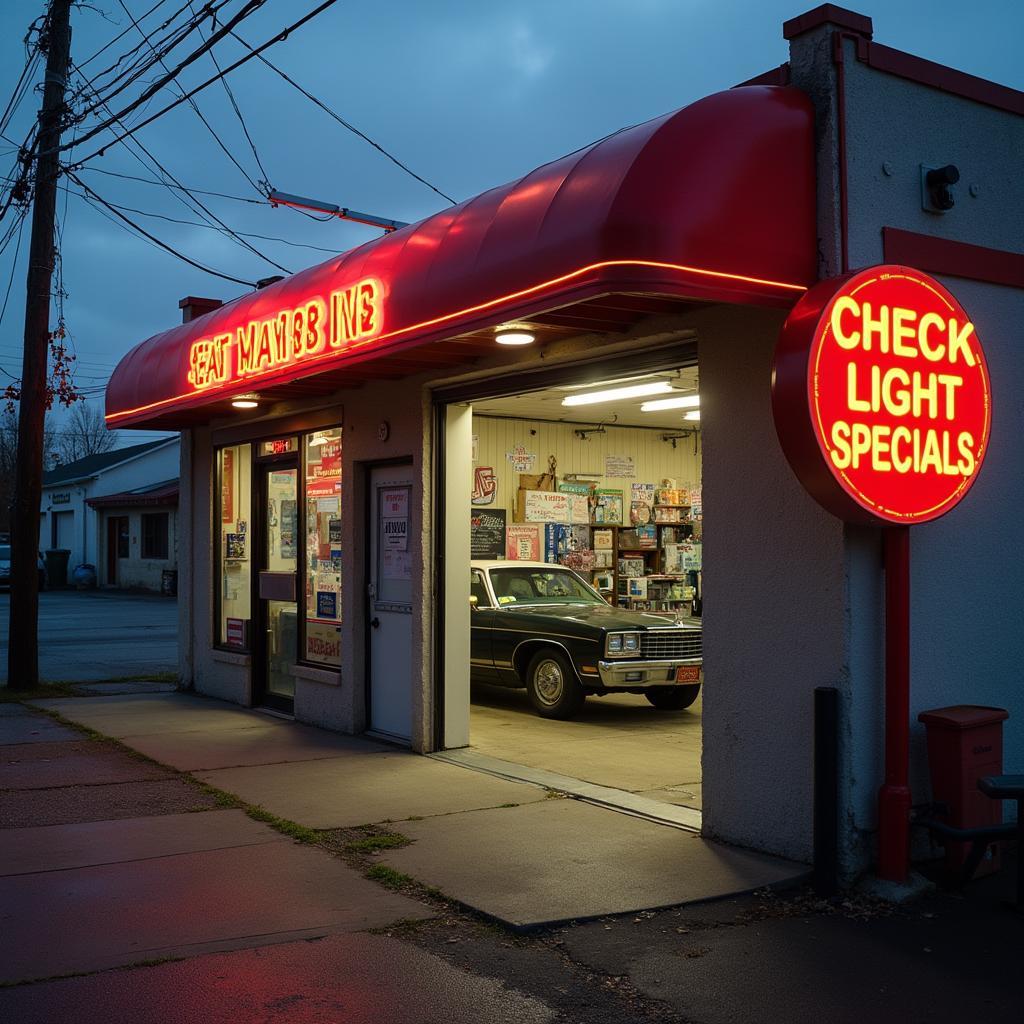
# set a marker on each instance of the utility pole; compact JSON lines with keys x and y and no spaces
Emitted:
{"x":23,"y":636}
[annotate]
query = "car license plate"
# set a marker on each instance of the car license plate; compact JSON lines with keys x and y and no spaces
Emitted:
{"x":688,"y":674}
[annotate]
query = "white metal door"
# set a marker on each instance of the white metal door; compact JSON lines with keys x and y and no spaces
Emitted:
{"x":389,"y":607}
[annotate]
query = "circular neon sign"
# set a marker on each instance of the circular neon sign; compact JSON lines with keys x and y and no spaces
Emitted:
{"x":881,"y":396}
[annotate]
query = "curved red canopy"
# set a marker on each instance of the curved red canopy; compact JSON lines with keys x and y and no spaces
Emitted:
{"x":713,"y":202}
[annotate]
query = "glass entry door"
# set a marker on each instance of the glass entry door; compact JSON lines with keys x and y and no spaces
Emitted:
{"x":278,"y":636}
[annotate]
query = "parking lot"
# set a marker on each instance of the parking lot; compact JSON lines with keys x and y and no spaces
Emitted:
{"x":96,"y":634}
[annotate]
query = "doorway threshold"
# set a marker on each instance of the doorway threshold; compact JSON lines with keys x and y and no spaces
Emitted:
{"x":686,"y":818}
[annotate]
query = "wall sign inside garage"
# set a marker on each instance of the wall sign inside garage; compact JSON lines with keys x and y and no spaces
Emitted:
{"x":881,"y":396}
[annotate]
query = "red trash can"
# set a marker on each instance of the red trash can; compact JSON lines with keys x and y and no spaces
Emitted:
{"x":965,"y":742}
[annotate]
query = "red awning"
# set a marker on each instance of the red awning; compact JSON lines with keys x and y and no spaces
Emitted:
{"x":162,"y":494}
{"x":714,"y":203}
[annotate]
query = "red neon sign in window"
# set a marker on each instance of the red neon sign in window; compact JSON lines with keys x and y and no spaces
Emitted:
{"x":881,"y":396}
{"x":348,"y":315}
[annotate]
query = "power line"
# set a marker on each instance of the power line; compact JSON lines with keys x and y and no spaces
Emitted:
{"x":126,"y":79}
{"x":199,"y":88}
{"x":152,"y":238}
{"x":211,"y":227}
{"x":195,"y":106}
{"x":122,"y":34}
{"x":198,"y":207}
{"x":235,"y":106}
{"x":346,"y":124}
{"x":184,"y":188}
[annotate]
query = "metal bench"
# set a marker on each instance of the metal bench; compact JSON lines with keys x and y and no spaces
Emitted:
{"x":997,"y":787}
{"x":1009,"y":787}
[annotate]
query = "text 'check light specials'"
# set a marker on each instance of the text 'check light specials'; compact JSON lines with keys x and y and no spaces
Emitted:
{"x":891,"y":377}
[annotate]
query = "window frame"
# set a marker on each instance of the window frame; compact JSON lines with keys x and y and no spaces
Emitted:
{"x":256,"y":440}
{"x":166,"y":536}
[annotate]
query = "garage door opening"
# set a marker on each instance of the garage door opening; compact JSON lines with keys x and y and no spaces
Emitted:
{"x":582,"y":574}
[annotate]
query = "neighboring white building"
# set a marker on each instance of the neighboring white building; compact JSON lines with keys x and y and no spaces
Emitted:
{"x":116,"y":511}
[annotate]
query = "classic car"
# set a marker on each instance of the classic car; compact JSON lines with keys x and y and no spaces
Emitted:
{"x":543,"y":627}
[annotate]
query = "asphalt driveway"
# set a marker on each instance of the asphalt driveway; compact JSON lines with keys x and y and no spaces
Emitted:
{"x":92,"y":635}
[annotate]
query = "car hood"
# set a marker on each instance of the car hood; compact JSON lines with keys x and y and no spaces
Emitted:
{"x":602,"y":616}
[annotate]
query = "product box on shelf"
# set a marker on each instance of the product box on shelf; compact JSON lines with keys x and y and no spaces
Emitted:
{"x":631,"y":567}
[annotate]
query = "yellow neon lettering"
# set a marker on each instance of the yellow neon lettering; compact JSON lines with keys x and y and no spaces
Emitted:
{"x":843,"y":305}
{"x":853,"y":403}
{"x":903,"y":330}
{"x":840,"y":453}
{"x":958,"y":342}
{"x":928,"y":321}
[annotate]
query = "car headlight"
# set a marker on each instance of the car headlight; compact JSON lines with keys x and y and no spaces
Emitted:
{"x":622,"y":645}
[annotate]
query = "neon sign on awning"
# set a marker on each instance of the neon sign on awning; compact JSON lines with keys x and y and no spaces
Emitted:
{"x":349,"y":315}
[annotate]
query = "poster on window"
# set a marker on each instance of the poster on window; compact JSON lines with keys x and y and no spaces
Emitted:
{"x":289,"y":528}
{"x":227,"y":486}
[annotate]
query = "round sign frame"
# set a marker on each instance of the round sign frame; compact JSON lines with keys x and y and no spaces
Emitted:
{"x":935,"y":421}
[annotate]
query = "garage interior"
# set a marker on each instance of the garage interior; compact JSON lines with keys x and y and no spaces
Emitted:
{"x":632,"y":445}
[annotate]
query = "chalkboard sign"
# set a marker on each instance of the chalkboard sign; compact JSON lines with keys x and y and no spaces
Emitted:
{"x":487,"y":536}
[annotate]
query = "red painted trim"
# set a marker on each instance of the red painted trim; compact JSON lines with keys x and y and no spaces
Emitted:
{"x":776,"y":76}
{"x":939,"y":76}
{"x":331,"y":357}
{"x":827,"y":14}
{"x":894,"y":796}
{"x":839,"y":60}
{"x":955,"y":259}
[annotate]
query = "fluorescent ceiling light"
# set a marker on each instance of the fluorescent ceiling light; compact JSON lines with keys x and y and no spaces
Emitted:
{"x":695,"y":415}
{"x":679,"y":402}
{"x":658,"y":387}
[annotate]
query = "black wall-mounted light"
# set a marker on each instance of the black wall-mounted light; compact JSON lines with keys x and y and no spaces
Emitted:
{"x":937,"y":187}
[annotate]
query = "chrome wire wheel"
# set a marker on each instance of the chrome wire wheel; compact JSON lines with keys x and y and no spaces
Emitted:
{"x":549,"y":682}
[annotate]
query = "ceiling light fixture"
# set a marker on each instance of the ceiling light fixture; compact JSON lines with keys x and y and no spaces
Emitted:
{"x":680,"y":402}
{"x":659,"y":387}
{"x":514,"y":334}
{"x":695,"y":415}
{"x":248,"y":401}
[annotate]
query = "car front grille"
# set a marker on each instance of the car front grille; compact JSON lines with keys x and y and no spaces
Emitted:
{"x":671,"y":643}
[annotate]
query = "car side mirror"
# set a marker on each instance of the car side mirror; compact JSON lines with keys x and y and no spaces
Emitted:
{"x":473,"y":601}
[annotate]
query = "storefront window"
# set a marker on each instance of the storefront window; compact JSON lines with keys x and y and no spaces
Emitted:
{"x":323,"y":546}
{"x":234,"y":489}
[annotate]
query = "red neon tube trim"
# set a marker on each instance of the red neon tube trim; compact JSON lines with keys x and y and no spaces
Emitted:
{"x":479,"y":308}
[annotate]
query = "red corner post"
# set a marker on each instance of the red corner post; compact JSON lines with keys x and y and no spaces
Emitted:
{"x":894,"y":796}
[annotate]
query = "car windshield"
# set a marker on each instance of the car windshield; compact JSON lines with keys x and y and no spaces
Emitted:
{"x":5,"y":552}
{"x":541,"y":586}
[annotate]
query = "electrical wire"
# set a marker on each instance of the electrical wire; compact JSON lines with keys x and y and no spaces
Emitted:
{"x":14,"y":267}
{"x":184,"y":188}
{"x":199,"y":208}
{"x":94,"y":196}
{"x":346,"y":124}
{"x":199,"y":113}
{"x":122,"y":34}
{"x":199,"y":88}
{"x":211,"y":227}
{"x":127,"y":79}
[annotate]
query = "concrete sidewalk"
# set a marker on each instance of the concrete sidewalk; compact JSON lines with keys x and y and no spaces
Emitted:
{"x":504,"y":848}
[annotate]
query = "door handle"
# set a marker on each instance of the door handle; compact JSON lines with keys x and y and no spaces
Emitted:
{"x":375,"y":622}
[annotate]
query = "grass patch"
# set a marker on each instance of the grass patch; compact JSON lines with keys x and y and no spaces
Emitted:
{"x":390,"y":878}
{"x":220,"y":797}
{"x":300,"y":833}
{"x":376,"y":843}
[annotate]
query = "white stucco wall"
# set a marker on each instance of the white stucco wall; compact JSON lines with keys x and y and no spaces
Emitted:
{"x":150,"y":467}
{"x":967,"y":570}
